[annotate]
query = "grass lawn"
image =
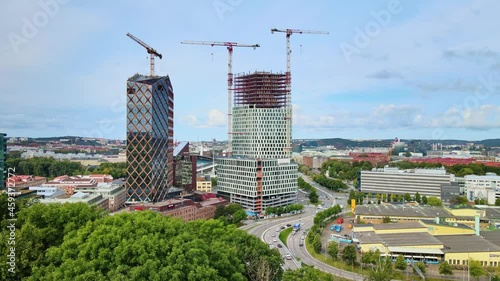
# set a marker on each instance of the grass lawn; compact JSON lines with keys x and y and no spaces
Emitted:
{"x":284,"y":235}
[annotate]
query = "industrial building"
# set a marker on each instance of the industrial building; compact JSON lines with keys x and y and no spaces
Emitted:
{"x":428,"y":241}
{"x":390,"y":180}
{"x":260,"y":172}
{"x":150,"y":122}
{"x":3,"y":155}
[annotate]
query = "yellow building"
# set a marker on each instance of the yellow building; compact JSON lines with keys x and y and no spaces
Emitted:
{"x":429,"y":241}
{"x":204,"y":184}
{"x":459,"y":248}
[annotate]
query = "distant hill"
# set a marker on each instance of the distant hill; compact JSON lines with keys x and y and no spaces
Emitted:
{"x":490,"y":142}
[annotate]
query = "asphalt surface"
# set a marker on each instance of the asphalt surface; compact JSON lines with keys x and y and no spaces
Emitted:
{"x":264,"y":229}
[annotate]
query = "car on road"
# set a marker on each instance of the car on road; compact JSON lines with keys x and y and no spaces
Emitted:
{"x":273,"y":235}
{"x":280,"y":246}
{"x":288,"y":225}
{"x":275,"y":240}
{"x":288,"y":256}
{"x":301,"y":242}
{"x":282,"y":227}
{"x":270,"y":242}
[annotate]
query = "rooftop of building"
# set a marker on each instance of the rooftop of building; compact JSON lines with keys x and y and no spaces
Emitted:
{"x":492,"y":236}
{"x":180,"y":146}
{"x":408,"y":225}
{"x":409,"y":239}
{"x":402,"y":211}
{"x":466,"y":243}
{"x":442,"y":223}
{"x":146,"y":79}
{"x":491,"y":177}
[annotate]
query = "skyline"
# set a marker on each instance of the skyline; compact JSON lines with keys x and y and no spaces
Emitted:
{"x":427,"y":70}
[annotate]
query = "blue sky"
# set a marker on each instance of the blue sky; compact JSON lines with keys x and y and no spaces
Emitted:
{"x":412,"y":69}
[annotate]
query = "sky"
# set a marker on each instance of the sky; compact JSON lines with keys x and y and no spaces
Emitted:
{"x":388,"y":68}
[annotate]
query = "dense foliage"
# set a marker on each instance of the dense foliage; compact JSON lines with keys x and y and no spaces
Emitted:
{"x":308,"y":273}
{"x":284,"y":209}
{"x":458,"y":170}
{"x":382,"y":271}
{"x":313,"y":195}
{"x":230,"y":214}
{"x":332,"y":184}
{"x":78,"y":242}
{"x":50,"y":167}
{"x":345,"y":170}
{"x":38,"y":228}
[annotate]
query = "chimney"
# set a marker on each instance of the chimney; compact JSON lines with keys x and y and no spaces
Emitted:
{"x":476,"y":224}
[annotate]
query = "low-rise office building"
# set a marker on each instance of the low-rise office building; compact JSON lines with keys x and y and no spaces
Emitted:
{"x":390,"y":180}
{"x":79,"y":197}
{"x":482,"y":187}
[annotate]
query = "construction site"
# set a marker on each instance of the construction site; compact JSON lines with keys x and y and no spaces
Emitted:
{"x":260,"y":90}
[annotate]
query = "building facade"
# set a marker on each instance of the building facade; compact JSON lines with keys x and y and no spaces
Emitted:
{"x":394,"y":181}
{"x":150,"y":130}
{"x":3,"y":155}
{"x":482,"y":187}
{"x":260,"y":172}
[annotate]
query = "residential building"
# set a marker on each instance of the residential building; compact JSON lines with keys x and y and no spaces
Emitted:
{"x":260,"y":172}
{"x":3,"y":156}
{"x":150,"y":131}
{"x":390,"y":180}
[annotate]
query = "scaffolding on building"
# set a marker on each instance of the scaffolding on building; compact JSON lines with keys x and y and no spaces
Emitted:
{"x":260,"y":90}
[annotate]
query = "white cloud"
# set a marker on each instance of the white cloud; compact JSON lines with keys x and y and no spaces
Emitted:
{"x":215,"y":118}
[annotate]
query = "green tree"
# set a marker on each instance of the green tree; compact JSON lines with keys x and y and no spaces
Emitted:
{"x":497,"y":202}
{"x":445,"y":268}
{"x":418,"y":198}
{"x":313,"y":196}
{"x":459,"y":200}
{"x":349,"y":254}
{"x":214,"y":181}
{"x":407,"y":197}
{"x":316,"y":243}
{"x":400,"y":263}
{"x":386,"y":219}
{"x":424,"y":200}
{"x":434,"y":201}
{"x":333,"y":250}
{"x":149,"y":246}
{"x":382,"y":271}
{"x":475,"y":268}
{"x":420,"y":266}
{"x":306,"y":273}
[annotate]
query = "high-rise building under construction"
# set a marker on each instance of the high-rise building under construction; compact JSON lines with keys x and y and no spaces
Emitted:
{"x":150,"y":133}
{"x":259,"y":172}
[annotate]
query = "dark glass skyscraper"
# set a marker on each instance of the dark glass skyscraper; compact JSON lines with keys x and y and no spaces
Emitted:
{"x":150,"y":132}
{"x":3,"y":154}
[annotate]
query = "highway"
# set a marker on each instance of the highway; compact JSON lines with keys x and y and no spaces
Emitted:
{"x":264,"y":229}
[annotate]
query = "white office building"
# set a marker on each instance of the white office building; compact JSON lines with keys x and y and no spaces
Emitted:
{"x":260,"y":172}
{"x":390,"y":180}
{"x":482,"y":187}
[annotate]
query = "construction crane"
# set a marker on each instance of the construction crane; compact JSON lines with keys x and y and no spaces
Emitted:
{"x":152,"y":53}
{"x":229,"y":46}
{"x":288,"y":74}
